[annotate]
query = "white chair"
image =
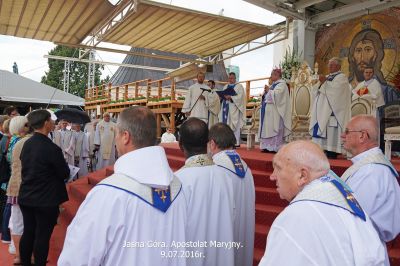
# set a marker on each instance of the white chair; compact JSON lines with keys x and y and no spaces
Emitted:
{"x":362,"y":106}
{"x":251,"y":128}
{"x":391,"y":134}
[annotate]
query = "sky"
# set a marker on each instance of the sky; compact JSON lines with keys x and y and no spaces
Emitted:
{"x":28,"y":54}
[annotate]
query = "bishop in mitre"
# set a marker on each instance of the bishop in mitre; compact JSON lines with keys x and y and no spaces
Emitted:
{"x":330,"y":109}
{"x":275,"y":114}
{"x":104,"y":139}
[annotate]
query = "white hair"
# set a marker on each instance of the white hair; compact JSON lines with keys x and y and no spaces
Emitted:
{"x":309,"y":155}
{"x":337,"y":60}
{"x":312,"y":161}
{"x":17,"y":124}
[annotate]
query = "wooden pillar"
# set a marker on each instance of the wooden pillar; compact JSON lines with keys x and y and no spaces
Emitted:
{"x":173,"y":94}
{"x":117,"y":93}
{"x":158,"y":125}
{"x":136,"y":90}
{"x":126,"y":93}
{"x":172,"y":119}
{"x":97,"y":92}
{"x":86,"y":94}
{"x":247,"y":90}
{"x":159,"y":88}
{"x":148,"y":92}
{"x":109,"y":91}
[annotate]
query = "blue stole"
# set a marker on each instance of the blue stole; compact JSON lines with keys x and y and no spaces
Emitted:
{"x":331,"y":77}
{"x":315,"y":131}
{"x":159,"y":198}
{"x":263,"y":104}
{"x":328,"y":190}
{"x":225,"y":103}
{"x":237,"y":163}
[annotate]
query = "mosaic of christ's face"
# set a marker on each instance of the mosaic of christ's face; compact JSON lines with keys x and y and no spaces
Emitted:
{"x":364,"y":55}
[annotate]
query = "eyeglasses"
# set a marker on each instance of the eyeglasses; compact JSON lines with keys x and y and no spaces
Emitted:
{"x":347,"y":131}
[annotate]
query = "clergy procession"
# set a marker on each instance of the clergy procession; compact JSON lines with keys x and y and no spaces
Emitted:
{"x":205,"y":212}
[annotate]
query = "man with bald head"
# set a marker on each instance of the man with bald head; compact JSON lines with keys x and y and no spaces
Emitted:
{"x":323,"y":224}
{"x":372,"y":177}
{"x":330,"y":109}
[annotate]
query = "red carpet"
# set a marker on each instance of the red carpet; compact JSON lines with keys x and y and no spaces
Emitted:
{"x":268,"y":203}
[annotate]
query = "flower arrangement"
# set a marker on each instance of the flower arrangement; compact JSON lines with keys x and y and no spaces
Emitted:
{"x":253,"y":99}
{"x":180,"y":97}
{"x":291,"y":61}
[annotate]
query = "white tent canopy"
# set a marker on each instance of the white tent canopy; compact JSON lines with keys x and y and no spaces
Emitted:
{"x":16,"y":88}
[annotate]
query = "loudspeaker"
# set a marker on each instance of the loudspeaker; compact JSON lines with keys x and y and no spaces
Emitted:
{"x":210,"y":68}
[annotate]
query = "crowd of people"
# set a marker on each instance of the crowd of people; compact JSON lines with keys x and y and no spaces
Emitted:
{"x":37,"y":152}
{"x":204,"y":213}
{"x":330,"y":109}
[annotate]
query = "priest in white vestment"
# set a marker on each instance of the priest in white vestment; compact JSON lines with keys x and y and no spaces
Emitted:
{"x":81,"y":150}
{"x":198,"y":98}
{"x":275,"y":114}
{"x":233,"y":106}
{"x":372,"y":177}
{"x":64,"y":138}
{"x":330,"y":109}
{"x":209,"y":198}
{"x":168,"y":136}
{"x":137,"y":216}
{"x":90,"y":130}
{"x":104,"y":141}
{"x":221,"y":146}
{"x":323,"y":224}
{"x":213,"y":104}
{"x":370,"y":89}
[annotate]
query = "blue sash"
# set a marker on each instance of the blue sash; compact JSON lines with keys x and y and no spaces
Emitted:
{"x":158,"y":198}
{"x":328,"y":190}
{"x":225,"y":111}
{"x":240,"y":171}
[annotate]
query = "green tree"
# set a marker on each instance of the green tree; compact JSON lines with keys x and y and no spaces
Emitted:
{"x":78,"y":77}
